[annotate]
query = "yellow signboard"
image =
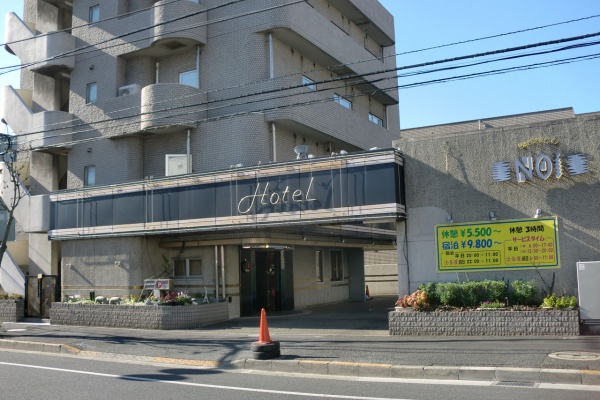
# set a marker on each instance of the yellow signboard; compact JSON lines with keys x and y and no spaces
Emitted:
{"x":498,"y":245}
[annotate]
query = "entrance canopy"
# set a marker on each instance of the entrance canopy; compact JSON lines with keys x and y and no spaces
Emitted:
{"x":344,"y":189}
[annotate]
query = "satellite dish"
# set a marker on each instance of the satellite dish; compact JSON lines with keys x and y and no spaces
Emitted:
{"x":301,"y":151}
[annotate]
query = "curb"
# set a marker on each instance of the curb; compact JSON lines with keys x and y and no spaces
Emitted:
{"x":335,"y":368}
{"x":37,"y":346}
{"x":352,"y":369}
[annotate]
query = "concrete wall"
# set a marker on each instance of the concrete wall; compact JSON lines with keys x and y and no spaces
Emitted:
{"x":138,"y":317}
{"x":307,"y":291}
{"x":485,"y":323}
{"x":110,"y":267}
{"x":452,"y":174}
{"x":12,"y":310}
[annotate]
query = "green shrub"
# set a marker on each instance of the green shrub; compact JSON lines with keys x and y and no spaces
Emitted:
{"x":559,"y":303}
{"x":10,"y":296}
{"x":497,"y":291}
{"x":465,"y":294}
{"x":450,"y":294}
{"x":432,"y":294}
{"x":525,"y":292}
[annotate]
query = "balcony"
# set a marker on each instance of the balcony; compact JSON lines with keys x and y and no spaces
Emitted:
{"x":168,"y":31}
{"x":39,"y":53}
{"x":324,"y":121}
{"x":39,"y":130}
{"x":169,"y":107}
{"x":330,"y":47}
{"x":370,"y":17}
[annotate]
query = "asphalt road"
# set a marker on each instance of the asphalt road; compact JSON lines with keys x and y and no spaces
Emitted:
{"x":355,"y":332}
{"x":28,"y":376}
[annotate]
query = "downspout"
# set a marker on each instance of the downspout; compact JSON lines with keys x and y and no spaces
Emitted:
{"x":271,"y":62}
{"x":198,"y":65}
{"x":216,"y":274}
{"x":274,"y":141}
{"x":156,"y":70}
{"x":188,"y":153}
{"x":223,"y":272}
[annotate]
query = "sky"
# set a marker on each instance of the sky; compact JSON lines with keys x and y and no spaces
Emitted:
{"x":427,"y":23}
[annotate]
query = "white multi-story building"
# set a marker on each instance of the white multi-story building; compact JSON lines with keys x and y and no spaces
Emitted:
{"x":164,"y":137}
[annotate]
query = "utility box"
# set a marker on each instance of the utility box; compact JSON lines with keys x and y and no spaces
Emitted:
{"x":588,"y":283}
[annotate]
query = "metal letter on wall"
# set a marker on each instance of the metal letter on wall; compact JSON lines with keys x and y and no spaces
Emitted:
{"x":498,"y":245}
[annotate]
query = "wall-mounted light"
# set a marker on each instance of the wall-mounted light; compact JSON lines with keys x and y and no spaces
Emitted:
{"x":493,"y":216}
{"x":538,"y":213}
{"x":450,"y":219}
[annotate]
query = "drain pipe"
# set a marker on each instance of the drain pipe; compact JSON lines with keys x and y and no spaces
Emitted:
{"x":271,"y":62}
{"x":274,"y":140}
{"x":223,"y":272}
{"x":216,"y":274}
{"x":156,"y":71}
{"x":188,"y":155}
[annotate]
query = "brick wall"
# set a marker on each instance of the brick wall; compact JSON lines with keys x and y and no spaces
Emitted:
{"x":138,"y":317}
{"x":12,"y":310}
{"x":485,"y":323}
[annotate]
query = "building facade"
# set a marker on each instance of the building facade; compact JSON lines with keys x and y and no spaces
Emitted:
{"x":141,"y":103}
{"x":492,"y":173}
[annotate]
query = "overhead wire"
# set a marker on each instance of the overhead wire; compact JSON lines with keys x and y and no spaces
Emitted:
{"x":347,"y":77}
{"x":396,"y":87}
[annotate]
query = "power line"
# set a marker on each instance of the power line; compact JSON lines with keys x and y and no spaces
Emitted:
{"x":328,"y":99}
{"x":75,"y":51}
{"x":381,"y":72}
{"x":407,"y":86}
{"x":89,"y":23}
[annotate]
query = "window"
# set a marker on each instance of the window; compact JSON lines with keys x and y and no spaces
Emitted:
{"x":342,"y":101}
{"x":319,"y":265}
{"x":189,"y":78}
{"x":94,"y":14}
{"x":89,"y":178}
{"x":91,"y":93}
{"x":176,"y":164}
{"x":187,"y":268}
{"x":309,"y":83}
{"x":375,"y":119}
{"x":337,"y":268}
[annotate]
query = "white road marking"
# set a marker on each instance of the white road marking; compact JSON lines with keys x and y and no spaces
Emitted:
{"x":236,"y":388}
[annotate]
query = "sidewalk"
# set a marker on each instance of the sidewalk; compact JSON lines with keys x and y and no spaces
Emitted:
{"x":345,"y":339}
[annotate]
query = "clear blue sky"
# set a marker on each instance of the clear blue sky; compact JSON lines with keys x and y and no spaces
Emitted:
{"x":426,"y":23}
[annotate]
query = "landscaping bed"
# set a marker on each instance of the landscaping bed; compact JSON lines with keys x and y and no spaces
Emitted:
{"x":485,"y":323}
{"x":138,"y":316}
{"x":12,"y":310}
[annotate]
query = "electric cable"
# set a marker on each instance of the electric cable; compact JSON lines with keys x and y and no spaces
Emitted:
{"x":346,"y":77}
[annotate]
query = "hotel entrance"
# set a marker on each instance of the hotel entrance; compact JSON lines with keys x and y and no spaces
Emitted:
{"x":266,"y":280}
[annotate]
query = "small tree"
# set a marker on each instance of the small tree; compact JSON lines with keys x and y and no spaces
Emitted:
{"x":11,"y":189}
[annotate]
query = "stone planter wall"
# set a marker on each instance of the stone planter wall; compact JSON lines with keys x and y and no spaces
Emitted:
{"x":12,"y":310}
{"x":138,"y":317}
{"x":485,"y":323}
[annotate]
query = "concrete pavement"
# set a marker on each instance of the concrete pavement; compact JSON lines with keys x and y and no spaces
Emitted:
{"x":349,"y":339}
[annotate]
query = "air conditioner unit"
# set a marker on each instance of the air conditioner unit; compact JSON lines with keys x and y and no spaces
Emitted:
{"x":128,"y":89}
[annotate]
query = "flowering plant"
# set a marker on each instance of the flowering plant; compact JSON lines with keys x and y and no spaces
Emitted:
{"x":492,"y":304}
{"x":174,"y":297}
{"x":417,"y":300}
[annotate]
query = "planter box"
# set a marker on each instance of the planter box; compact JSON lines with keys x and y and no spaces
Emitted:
{"x":485,"y":323}
{"x":12,"y":310}
{"x":138,"y":317}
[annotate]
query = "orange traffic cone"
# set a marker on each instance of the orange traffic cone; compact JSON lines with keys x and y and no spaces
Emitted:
{"x":265,"y":348}
{"x":263,"y":334}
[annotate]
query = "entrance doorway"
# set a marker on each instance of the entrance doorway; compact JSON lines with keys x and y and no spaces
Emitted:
{"x":40,"y":292}
{"x":266,"y":281}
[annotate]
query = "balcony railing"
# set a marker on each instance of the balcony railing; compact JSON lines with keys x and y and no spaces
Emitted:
{"x":45,"y":53}
{"x":43,"y":129}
